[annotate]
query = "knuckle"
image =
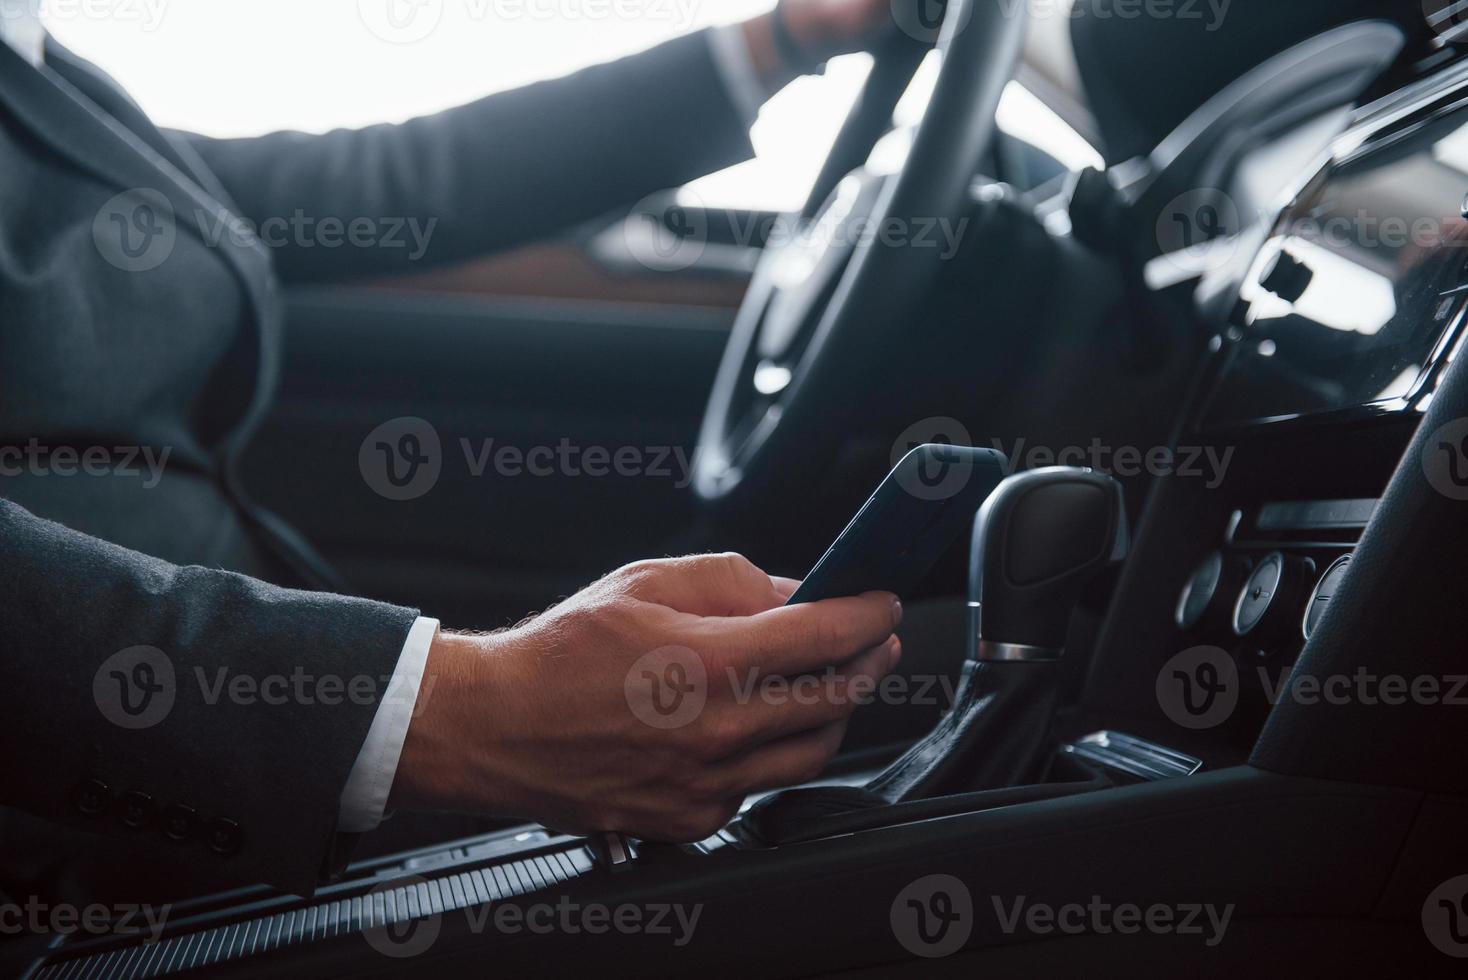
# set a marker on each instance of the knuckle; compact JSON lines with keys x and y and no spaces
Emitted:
{"x":831,"y":634}
{"x":639,"y":576}
{"x":743,"y":571}
{"x":748,"y":579}
{"x":702,"y":563}
{"x":724,"y":736}
{"x":623,"y":614}
{"x":729,"y":561}
{"x":611,"y":622}
{"x":728,"y":570}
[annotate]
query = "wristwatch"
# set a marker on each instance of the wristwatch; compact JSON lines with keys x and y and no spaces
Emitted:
{"x":791,"y":51}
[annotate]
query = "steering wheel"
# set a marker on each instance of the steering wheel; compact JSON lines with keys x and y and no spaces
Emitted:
{"x":852,"y":268}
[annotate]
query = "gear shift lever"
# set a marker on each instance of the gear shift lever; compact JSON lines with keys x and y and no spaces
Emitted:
{"x":1040,"y":539}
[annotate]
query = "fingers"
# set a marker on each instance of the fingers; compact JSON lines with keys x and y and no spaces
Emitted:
{"x":801,"y":639}
{"x":779,"y":707}
{"x":785,"y":586}
{"x":787,"y":762}
{"x":719,"y":585}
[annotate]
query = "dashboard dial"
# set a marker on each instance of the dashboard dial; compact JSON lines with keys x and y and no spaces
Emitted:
{"x":1260,"y":594}
{"x":1199,"y":595}
{"x":1320,"y":598}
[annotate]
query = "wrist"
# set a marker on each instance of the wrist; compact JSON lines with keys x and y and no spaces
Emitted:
{"x":800,"y":37}
{"x":433,"y":773}
{"x":779,"y":57}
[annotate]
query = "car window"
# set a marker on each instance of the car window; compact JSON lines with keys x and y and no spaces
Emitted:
{"x":257,"y":66}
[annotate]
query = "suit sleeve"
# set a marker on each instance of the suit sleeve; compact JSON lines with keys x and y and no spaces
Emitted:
{"x":203,"y":711}
{"x":502,"y":171}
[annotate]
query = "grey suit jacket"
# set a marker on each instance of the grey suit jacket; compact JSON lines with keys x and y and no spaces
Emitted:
{"x":138,"y":317}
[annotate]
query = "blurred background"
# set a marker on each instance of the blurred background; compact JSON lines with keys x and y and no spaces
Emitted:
{"x":259,"y":65}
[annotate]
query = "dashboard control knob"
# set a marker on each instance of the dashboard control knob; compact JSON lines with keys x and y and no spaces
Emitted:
{"x":1324,"y":589}
{"x":1269,"y":593}
{"x":1201,"y":592}
{"x":1287,"y":277}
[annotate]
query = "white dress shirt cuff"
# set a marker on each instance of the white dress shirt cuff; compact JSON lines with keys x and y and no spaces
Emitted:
{"x":736,"y":67}
{"x":364,"y":800}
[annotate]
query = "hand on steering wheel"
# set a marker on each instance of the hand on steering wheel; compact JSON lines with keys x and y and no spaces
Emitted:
{"x":851,"y":266}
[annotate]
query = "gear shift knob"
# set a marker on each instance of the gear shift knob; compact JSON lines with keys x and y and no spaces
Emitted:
{"x":1039,"y":540}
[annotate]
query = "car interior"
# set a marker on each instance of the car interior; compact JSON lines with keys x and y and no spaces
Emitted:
{"x":1222,"y":367}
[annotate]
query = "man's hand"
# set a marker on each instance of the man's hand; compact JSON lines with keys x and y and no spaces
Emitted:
{"x":830,"y":27}
{"x":651,"y":703}
{"x":821,"y":28}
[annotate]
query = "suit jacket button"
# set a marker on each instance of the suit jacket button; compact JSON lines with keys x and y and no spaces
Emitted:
{"x":223,"y":836}
{"x":137,"y":809}
{"x":92,"y":797}
{"x":178,"y":821}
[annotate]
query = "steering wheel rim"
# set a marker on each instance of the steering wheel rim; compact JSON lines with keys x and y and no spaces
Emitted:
{"x":760,"y":427}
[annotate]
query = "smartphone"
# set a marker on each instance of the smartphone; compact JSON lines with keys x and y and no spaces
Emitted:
{"x":925,"y":504}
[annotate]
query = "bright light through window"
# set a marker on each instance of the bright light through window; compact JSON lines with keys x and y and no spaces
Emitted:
{"x":313,"y":65}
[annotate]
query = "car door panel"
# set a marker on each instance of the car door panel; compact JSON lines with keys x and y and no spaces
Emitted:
{"x":565,"y":398}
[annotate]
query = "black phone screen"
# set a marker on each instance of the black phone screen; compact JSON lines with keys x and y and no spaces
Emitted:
{"x":922,"y":508}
